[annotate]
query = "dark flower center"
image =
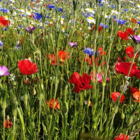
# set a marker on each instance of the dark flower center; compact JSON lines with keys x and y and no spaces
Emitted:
{"x":83,"y":84}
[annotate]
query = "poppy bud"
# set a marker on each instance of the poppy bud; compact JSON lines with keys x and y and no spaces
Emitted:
{"x":95,"y":125}
{"x":34,"y":92}
{"x":122,"y":116}
{"x":15,"y":112}
{"x":3,"y":105}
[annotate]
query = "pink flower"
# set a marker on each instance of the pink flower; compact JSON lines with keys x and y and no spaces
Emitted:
{"x":72,"y":44}
{"x":99,"y":77}
{"x":3,"y":71}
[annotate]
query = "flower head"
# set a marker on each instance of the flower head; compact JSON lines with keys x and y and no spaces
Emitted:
{"x":89,"y":51}
{"x":3,"y":71}
{"x":30,"y":29}
{"x":122,"y":35}
{"x":136,"y":39}
{"x":54,"y":103}
{"x":130,"y":52}
{"x":27,"y":67}
{"x":133,"y":90}
{"x":123,"y":68}
{"x":134,"y":20}
{"x":99,"y":77}
{"x":7,"y":124}
{"x":4,"y":22}
{"x":81,"y":83}
{"x":115,"y":96}
{"x":72,"y":44}
{"x":61,"y":55}
{"x":130,"y":31}
{"x":37,"y":16}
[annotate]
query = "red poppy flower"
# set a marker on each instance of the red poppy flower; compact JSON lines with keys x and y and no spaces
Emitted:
{"x":115,"y":96}
{"x":123,"y":68}
{"x":61,"y":55}
{"x":101,"y":51}
{"x":130,"y":52}
{"x":136,"y":95}
{"x":122,"y":35}
{"x":99,"y":28}
{"x":53,"y":103}
{"x":133,"y":90}
{"x":134,"y":20}
{"x":4,"y":22}
{"x":27,"y":67}
{"x":122,"y":137}
{"x":130,"y":31}
{"x":90,"y":61}
{"x":81,"y":83}
{"x":31,"y":15}
{"x":7,"y":124}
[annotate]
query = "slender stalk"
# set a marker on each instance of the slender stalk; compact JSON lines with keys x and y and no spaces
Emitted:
{"x":4,"y":124}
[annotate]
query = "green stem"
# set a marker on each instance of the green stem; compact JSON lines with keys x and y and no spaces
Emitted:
{"x":4,"y":124}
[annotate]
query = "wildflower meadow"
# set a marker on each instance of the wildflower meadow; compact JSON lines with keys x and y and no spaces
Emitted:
{"x":69,"y":70}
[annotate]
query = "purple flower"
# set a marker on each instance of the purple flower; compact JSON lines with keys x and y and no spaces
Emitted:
{"x":137,"y":39}
{"x":72,"y":44}
{"x":30,"y":29}
{"x":3,"y":71}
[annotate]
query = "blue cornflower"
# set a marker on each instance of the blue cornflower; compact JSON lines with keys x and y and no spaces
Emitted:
{"x":1,"y":43}
{"x":125,"y":10}
{"x":60,"y":10}
{"x":37,"y":16}
{"x":89,"y":51}
{"x":48,"y":17}
{"x":120,"y":21}
{"x":89,"y":15}
{"x":106,"y":26}
{"x":114,"y":17}
{"x":51,"y":6}
{"x":113,"y":6}
{"x":138,"y":22}
{"x":102,"y":25}
{"x":5,"y":29}
{"x":100,"y":4}
{"x":4,"y":10}
{"x":22,"y":15}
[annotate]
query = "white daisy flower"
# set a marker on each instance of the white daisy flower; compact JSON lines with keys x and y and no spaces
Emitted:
{"x":91,"y":20}
{"x":90,"y":10}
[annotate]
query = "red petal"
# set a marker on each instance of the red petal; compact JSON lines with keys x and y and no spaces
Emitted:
{"x":76,"y":89}
{"x":123,"y":67}
{"x":133,"y":90}
{"x":85,"y":79}
{"x":115,"y":96}
{"x":75,"y":79}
